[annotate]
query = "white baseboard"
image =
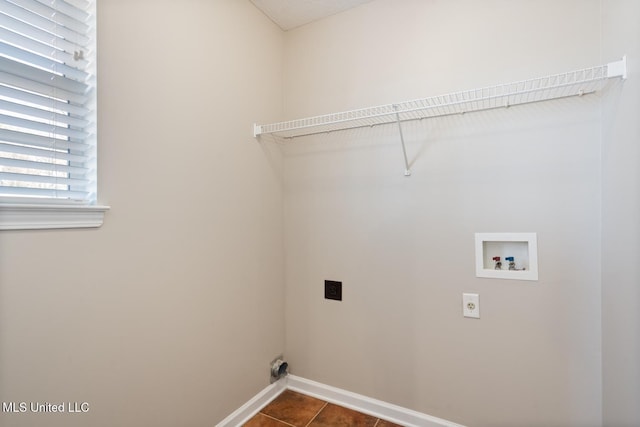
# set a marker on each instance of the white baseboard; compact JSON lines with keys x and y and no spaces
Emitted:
{"x":377,"y":408}
{"x":253,"y":406}
{"x":366,"y":405}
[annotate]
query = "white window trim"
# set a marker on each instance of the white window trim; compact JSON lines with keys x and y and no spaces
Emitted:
{"x":43,"y":217}
{"x":58,"y":212}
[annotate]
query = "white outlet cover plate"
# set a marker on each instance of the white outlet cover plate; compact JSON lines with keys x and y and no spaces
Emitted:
{"x":471,"y":305}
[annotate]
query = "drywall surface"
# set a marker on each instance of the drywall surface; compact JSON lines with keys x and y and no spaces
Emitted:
{"x":404,"y":247}
{"x":170,"y":313}
{"x":620,"y":221}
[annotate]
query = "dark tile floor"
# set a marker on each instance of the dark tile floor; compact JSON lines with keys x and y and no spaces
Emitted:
{"x":292,"y":409}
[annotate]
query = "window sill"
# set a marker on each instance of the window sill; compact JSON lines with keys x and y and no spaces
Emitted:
{"x":43,"y":217}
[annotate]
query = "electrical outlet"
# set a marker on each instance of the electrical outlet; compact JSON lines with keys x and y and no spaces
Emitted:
{"x":333,"y":290}
{"x":471,"y":305}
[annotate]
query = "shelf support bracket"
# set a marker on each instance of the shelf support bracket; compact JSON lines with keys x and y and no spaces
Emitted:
{"x":407,"y":170}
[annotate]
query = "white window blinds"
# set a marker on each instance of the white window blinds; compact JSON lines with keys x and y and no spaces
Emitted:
{"x":47,"y":101}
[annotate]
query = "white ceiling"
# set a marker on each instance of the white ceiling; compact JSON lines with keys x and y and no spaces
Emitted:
{"x":289,"y":14}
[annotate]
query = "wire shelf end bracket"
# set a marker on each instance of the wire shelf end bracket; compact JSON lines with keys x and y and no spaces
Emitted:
{"x":617,"y":68}
{"x":257,"y":130}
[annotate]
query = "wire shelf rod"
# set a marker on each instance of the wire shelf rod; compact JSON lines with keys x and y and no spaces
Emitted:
{"x":439,"y":107}
{"x":573,"y":83}
{"x":412,"y":119}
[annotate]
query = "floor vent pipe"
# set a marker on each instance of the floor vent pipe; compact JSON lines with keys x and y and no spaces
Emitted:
{"x":278,"y":369}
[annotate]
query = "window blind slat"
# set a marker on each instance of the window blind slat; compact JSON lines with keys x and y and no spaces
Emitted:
{"x":79,"y":4}
{"x":56,"y":15}
{"x":27,"y":164}
{"x":51,"y":65}
{"x":40,"y":21}
{"x":77,"y":12}
{"x":42,"y":179}
{"x":40,"y":152}
{"x":54,"y":131}
{"x":40,"y":48}
{"x":42,"y":192}
{"x":40,"y":88}
{"x":53,"y":116}
{"x":15,"y":137}
{"x":37,"y":34}
{"x":43,"y":102}
{"x":39,"y":75}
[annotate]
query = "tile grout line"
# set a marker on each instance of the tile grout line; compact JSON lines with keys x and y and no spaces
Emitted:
{"x":276,"y":419}
{"x":316,"y":415}
{"x":377,"y":422}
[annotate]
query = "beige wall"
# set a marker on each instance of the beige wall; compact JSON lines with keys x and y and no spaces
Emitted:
{"x":171,"y":310}
{"x":404,"y":247}
{"x":170,"y":313}
{"x":620,"y":222}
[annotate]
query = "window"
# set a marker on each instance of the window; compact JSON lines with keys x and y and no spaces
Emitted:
{"x":47,"y":113}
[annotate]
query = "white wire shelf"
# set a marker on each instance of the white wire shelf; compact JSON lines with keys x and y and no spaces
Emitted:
{"x":573,"y":83}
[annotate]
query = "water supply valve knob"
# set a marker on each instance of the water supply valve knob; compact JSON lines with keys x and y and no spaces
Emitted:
{"x":498,"y":265}
{"x":512,"y":264}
